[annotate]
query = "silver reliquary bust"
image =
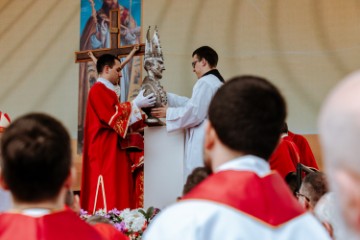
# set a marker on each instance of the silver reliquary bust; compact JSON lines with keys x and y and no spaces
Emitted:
{"x":154,"y":66}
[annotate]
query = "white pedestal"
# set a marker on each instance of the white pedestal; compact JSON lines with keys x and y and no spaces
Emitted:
{"x":163,"y":166}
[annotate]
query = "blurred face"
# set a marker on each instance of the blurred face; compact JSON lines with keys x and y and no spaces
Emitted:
{"x":114,"y":73}
{"x":158,"y":67}
{"x":196,"y":65}
{"x":346,"y":187}
{"x":111,"y":3}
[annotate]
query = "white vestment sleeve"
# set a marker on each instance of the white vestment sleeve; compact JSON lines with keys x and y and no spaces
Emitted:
{"x":135,"y":114}
{"x":194,"y":111}
{"x":176,"y":100}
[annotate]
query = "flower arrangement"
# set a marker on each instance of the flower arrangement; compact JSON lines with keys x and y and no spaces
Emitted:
{"x":130,"y":222}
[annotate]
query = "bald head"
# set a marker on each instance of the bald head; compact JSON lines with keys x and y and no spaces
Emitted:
{"x":339,"y":128}
{"x":339,"y":125}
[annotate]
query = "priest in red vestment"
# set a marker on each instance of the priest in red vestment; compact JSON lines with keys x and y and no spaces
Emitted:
{"x":306,"y":155}
{"x":285,"y":157}
{"x":37,"y":169}
{"x":106,"y":176}
{"x":243,"y":198}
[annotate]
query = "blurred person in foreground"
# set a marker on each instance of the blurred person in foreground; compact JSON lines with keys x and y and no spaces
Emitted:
{"x":37,"y":169}
{"x":339,"y":128}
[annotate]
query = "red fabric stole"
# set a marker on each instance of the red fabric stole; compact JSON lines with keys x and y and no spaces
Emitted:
{"x":284,"y":158}
{"x":56,"y":226}
{"x":306,"y":155}
{"x":108,"y":231}
{"x":266,"y":199}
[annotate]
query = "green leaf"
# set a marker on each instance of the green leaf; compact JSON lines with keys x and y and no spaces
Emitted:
{"x":142,"y":212}
{"x":149,"y":213}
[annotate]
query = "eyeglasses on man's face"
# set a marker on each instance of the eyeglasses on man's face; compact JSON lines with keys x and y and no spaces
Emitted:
{"x":193,"y":64}
{"x":298,"y":195}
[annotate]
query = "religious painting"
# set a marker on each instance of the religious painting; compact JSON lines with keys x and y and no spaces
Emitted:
{"x":95,"y":35}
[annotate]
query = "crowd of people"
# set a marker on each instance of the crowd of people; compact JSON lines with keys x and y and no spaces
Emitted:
{"x":237,"y":188}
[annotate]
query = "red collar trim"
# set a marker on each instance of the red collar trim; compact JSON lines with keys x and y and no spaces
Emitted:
{"x":266,"y":199}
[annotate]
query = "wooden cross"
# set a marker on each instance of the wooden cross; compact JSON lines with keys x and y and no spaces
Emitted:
{"x":115,"y":48}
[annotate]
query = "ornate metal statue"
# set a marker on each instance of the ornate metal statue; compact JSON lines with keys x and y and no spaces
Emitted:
{"x":154,"y":66}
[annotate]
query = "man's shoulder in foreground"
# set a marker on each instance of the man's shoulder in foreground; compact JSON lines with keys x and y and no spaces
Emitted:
{"x":252,"y":210}
{"x":58,"y":225}
{"x":201,"y":219}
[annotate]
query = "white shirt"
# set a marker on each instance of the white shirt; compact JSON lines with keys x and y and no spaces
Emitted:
{"x":202,"y":219}
{"x":190,"y":114}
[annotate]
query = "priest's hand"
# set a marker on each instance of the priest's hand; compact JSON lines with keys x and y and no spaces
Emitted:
{"x":142,"y":101}
{"x":159,"y":112}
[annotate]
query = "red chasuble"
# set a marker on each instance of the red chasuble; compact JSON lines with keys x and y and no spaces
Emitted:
{"x":137,"y":169}
{"x":285,"y":158}
{"x":266,"y":199}
{"x":306,"y":155}
{"x":108,"y":231}
{"x":106,"y":167}
{"x":55,"y":226}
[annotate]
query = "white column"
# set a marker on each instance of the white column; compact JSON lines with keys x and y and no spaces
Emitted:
{"x":163,"y":166}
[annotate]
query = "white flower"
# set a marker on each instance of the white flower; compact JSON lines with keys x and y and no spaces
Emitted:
{"x":138,"y":223}
{"x":134,"y":220}
{"x":125,"y":213}
{"x":101,"y":212}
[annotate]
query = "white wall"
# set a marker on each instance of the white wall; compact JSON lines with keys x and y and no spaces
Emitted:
{"x":37,"y":70}
{"x":304,"y":47}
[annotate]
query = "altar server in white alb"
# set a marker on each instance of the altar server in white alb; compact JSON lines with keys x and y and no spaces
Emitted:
{"x":190,"y":114}
{"x":242,"y":199}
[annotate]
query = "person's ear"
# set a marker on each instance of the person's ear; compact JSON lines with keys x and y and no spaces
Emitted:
{"x":106,"y":69}
{"x":304,"y":204}
{"x":70,"y":178}
{"x":209,"y":136}
{"x":203,"y":62}
{"x":307,"y":205}
{"x":3,"y":185}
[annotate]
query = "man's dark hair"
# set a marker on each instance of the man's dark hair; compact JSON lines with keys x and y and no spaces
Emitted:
{"x":247,"y":113}
{"x":208,"y":53}
{"x":106,"y":59}
{"x":197,"y":176}
{"x":314,"y":186}
{"x":36,"y":157}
